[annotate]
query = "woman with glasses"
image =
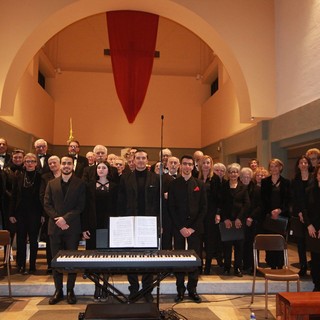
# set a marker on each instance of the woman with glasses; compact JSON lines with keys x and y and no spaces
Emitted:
{"x":275,"y":195}
{"x":234,"y":206}
{"x":27,"y":213}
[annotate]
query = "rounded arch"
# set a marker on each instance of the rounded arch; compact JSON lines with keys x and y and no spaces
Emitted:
{"x":57,"y":17}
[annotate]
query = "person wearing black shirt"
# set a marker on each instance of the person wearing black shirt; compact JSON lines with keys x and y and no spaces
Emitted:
{"x":139,"y":195}
{"x":64,"y":202}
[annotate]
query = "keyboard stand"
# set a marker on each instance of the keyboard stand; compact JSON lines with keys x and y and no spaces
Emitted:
{"x":111,"y":290}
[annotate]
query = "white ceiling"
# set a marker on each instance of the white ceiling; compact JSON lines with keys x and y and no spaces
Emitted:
{"x":80,"y":47}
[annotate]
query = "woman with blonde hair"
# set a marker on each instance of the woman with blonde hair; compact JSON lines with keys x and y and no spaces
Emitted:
{"x":275,"y":195}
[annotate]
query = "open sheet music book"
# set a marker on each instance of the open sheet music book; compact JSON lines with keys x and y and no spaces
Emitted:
{"x":133,"y":232}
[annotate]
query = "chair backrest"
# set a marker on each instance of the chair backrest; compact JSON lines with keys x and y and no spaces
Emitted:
{"x":272,"y":242}
{"x":4,"y":237}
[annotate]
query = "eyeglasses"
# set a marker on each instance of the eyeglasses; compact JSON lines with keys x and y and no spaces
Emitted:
{"x":41,"y":147}
{"x":30,"y":161}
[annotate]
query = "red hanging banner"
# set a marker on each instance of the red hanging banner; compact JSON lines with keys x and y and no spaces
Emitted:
{"x":132,"y":37}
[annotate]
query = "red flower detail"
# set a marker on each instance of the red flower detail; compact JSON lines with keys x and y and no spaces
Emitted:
{"x":196,"y":188}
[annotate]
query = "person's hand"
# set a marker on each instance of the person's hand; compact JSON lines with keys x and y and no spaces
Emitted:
{"x":238,"y":223}
{"x":13,"y":219}
{"x":312,"y":231}
{"x":86,"y":235}
{"x":61,"y":223}
{"x":228,"y":223}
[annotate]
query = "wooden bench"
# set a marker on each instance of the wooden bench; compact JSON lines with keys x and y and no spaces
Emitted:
{"x":298,"y":305}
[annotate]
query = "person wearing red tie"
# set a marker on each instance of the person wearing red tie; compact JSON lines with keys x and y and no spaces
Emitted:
{"x":187,"y":202}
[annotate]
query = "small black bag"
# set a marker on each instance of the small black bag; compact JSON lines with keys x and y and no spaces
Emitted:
{"x":232,"y":233}
{"x":275,"y":225}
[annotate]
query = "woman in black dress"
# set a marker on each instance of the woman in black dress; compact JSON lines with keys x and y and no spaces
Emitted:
{"x":311,"y":215}
{"x":301,"y":181}
{"x":235,"y":204}
{"x":275,"y":195}
{"x":101,"y":204}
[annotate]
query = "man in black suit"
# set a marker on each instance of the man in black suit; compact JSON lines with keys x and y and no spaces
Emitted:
{"x":41,"y":148}
{"x":4,"y":155}
{"x":139,"y":195}
{"x":64,"y":202}
{"x":79,"y":162}
{"x":173,"y":165}
{"x":187,"y":206}
{"x":198,"y":154}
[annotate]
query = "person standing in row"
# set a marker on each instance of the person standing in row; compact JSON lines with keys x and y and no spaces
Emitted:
{"x":311,"y":215}
{"x":187,"y":206}
{"x":55,"y":172}
{"x":27,"y":213}
{"x":235,"y":204}
{"x":64,"y":201}
{"x":101,"y":202}
{"x":139,"y":195}
{"x":275,"y":195}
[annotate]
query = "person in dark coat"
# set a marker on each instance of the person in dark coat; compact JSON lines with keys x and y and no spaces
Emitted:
{"x":235,"y":203}
{"x":187,"y":201}
{"x":311,"y":215}
{"x":27,"y":213}
{"x":275,"y":195}
{"x":139,"y":195}
{"x":64,"y":202}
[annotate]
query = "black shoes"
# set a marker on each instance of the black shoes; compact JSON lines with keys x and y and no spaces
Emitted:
{"x":195,"y":297}
{"x":148,"y":297}
{"x":71,"y":298}
{"x":226,"y":271}
{"x":58,"y":296}
{"x":303,"y":271}
{"x":179,"y":297}
{"x":238,"y":273}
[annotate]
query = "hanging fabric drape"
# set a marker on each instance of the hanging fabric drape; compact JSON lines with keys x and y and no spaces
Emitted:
{"x":132,"y":37}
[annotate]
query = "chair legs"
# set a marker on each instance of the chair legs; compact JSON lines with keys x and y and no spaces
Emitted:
{"x":266,"y":299}
{"x":7,"y":261}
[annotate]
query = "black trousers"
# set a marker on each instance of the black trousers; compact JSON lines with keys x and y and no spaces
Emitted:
{"x":315,"y":269}
{"x":194,"y":243}
{"x":64,"y":241}
{"x":27,"y":229}
{"x":238,"y":253}
{"x":133,"y":279}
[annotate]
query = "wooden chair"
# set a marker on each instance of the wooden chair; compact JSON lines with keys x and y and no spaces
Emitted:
{"x":6,"y":242}
{"x":272,"y":242}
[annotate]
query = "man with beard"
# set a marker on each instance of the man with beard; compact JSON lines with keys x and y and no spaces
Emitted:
{"x":64,"y":202}
{"x":139,"y":196}
{"x":79,"y":162}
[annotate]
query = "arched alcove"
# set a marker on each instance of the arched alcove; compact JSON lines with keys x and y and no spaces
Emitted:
{"x":54,"y":18}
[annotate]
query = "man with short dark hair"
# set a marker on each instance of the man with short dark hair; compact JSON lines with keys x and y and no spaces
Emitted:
{"x":64,"y":202}
{"x":139,"y":195}
{"x":187,"y":207}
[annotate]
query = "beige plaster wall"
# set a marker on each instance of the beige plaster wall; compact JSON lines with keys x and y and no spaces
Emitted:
{"x":298,"y":47}
{"x":90,"y":100}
